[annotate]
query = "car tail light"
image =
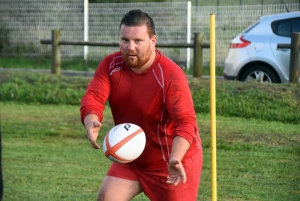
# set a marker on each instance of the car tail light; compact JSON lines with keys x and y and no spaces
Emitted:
{"x":244,"y":43}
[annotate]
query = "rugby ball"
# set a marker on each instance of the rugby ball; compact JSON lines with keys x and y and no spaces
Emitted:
{"x":124,"y":143}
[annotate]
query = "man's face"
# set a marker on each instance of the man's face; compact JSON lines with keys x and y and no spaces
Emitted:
{"x":136,"y":46}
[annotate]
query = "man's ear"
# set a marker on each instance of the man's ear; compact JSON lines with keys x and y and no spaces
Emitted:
{"x":153,"y":39}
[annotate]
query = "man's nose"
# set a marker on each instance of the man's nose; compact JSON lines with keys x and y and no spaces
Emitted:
{"x":131,"y":45}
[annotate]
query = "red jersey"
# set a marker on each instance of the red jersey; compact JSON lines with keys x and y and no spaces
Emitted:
{"x":158,"y":100}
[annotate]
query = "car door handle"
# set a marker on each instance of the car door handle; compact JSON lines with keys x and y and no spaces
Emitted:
{"x":283,"y":49}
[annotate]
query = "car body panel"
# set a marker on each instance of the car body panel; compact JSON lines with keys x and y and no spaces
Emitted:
{"x":263,"y":47}
{"x":282,"y":55}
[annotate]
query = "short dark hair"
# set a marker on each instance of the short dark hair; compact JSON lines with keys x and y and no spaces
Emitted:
{"x":138,"y":18}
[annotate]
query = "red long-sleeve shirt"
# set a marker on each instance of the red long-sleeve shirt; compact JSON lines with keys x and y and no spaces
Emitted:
{"x":158,"y":100}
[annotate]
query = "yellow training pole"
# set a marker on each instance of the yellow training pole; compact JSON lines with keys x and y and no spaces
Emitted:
{"x":213,"y":108}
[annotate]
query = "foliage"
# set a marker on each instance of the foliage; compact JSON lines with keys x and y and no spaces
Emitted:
{"x":23,"y":49}
{"x":271,"y":102}
{"x":44,"y":63}
{"x":6,"y":47}
{"x":25,"y":62}
{"x":4,"y":37}
{"x":74,"y":63}
{"x":41,"y":88}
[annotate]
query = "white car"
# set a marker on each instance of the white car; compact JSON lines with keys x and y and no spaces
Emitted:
{"x":253,"y":54}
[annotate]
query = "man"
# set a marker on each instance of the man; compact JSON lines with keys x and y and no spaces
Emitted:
{"x":146,"y":88}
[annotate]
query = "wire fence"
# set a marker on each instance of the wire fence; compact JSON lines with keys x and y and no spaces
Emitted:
{"x":23,"y":23}
{"x":238,"y":2}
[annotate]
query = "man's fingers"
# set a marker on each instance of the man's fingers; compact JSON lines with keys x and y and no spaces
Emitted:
{"x":93,"y":139}
{"x":92,"y":126}
{"x":174,"y":180}
{"x":177,"y":181}
{"x":177,"y":173}
{"x":184,"y":178}
{"x":170,"y":180}
{"x":95,"y":145}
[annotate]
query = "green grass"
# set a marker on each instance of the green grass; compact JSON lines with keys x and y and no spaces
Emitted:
{"x":78,"y":64}
{"x":272,"y":102}
{"x":45,"y":63}
{"x":23,"y":62}
{"x":46,"y":156}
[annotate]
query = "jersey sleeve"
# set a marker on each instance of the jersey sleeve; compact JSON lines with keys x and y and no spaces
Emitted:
{"x":180,"y":106}
{"x":97,"y":93}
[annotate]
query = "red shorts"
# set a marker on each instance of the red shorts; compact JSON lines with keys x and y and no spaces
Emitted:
{"x":154,"y":183}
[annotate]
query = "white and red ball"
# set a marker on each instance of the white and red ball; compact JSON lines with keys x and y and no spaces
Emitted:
{"x":124,"y":143}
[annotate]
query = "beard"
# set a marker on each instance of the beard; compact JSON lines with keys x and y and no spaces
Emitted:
{"x":138,"y":61}
{"x":133,"y":62}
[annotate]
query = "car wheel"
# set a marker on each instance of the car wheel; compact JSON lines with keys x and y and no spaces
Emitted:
{"x":260,"y":74}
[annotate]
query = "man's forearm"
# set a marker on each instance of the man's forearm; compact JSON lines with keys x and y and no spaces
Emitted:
{"x":179,"y":148}
{"x":89,"y":118}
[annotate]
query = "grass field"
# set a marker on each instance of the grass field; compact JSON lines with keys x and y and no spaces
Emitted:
{"x":46,"y":156}
{"x":41,"y":63}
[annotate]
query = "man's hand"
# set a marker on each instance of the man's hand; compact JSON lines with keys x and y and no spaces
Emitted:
{"x":177,"y":172}
{"x":92,"y":126}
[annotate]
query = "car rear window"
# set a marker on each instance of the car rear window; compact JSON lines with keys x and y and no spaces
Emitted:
{"x":296,"y":25}
{"x":286,"y":27}
{"x":250,"y":27}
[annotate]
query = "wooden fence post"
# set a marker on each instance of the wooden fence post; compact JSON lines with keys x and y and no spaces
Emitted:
{"x":198,"y":55}
{"x":56,"y":55}
{"x":294,"y":58}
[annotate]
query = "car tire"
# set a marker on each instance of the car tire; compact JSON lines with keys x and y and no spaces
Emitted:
{"x":260,"y":74}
